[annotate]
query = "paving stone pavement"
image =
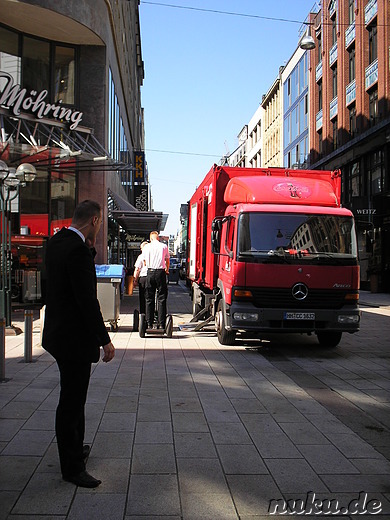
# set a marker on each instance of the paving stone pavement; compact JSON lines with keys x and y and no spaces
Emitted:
{"x":184,"y":428}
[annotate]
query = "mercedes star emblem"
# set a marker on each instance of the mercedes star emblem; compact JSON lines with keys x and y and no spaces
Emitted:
{"x":300,"y":291}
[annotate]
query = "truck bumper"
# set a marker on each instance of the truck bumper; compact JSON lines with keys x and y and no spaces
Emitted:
{"x":246,"y":317}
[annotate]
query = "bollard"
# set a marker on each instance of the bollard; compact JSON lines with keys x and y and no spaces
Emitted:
{"x":28,"y":335}
{"x":2,"y":349}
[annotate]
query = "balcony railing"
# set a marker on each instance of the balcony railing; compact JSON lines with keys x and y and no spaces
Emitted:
{"x":332,"y":8}
{"x":372,"y":74}
{"x":333,"y":108}
{"x":350,"y":34}
{"x":319,"y":120}
{"x":350,"y":92}
{"x":319,"y":71}
{"x":370,"y":11}
{"x":333,"y":54}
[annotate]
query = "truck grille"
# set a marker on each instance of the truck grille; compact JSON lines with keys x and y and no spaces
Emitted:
{"x":283,"y":299}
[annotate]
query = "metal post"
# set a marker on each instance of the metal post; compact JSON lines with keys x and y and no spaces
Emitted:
{"x":28,"y":334}
{"x":2,"y":349}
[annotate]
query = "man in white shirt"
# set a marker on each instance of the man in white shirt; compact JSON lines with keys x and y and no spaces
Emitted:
{"x":156,"y":257}
{"x":140,"y":272}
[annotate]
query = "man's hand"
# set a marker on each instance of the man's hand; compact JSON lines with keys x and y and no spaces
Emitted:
{"x":109,"y":352}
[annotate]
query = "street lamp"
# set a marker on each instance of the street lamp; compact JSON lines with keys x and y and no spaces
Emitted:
{"x":10,"y":181}
{"x":307,"y":43}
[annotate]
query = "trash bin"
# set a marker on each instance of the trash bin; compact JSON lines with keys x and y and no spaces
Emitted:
{"x":110,"y":285}
{"x":174,"y":271}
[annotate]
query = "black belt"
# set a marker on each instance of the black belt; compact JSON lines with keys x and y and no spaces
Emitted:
{"x":160,"y":269}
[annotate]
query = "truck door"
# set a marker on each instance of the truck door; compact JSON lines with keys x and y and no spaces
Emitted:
{"x":192,"y":235}
{"x":226,"y":258}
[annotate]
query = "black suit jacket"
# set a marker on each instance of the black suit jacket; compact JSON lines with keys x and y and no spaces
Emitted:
{"x":74,"y":326}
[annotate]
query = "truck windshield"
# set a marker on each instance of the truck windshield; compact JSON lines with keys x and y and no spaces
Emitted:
{"x":288,"y":237}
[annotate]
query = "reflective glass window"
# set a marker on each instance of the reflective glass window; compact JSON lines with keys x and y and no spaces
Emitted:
{"x":36,"y":64}
{"x":64,"y":75}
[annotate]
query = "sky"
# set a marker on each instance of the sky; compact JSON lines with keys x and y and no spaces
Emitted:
{"x":205,"y":75}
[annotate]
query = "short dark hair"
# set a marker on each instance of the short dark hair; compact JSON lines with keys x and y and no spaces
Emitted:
{"x":86,"y":210}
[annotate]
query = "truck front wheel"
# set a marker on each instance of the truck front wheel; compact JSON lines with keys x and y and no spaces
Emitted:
{"x":225,"y":337}
{"x":329,"y":339}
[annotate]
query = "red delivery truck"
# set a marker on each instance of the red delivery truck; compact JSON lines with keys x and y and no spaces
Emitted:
{"x":272,"y":250}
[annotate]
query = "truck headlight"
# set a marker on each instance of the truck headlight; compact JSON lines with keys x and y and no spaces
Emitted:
{"x":348,"y":318}
{"x":246,"y":316}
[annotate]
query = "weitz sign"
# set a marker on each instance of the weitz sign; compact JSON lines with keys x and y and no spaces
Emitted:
{"x":16,"y":98}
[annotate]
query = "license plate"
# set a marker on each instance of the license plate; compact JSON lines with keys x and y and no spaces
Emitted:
{"x":299,"y":316}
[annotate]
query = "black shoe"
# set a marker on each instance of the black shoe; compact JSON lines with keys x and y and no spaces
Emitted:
{"x":83,"y":479}
{"x":86,"y":452}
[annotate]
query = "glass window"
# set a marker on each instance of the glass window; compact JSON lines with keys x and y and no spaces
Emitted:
{"x":36,"y":64}
{"x":10,"y":60}
{"x":355,"y":180}
{"x":334,"y":81}
{"x":64,"y":75}
{"x":335,"y":134}
{"x":34,"y":204}
{"x":294,"y":124}
{"x":351,"y":11}
{"x":287,"y":132}
{"x":294,"y":82}
{"x":63,"y":199}
{"x":372,"y":44}
{"x":352,"y":120}
{"x":373,"y":106}
{"x":351,"y":62}
{"x":320,"y":96}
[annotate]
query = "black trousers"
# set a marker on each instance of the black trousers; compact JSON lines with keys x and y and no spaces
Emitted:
{"x":70,"y":415}
{"x":156,"y":280}
{"x":142,"y":294}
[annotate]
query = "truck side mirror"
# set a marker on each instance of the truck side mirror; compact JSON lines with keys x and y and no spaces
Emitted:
{"x":216,"y":227}
{"x":215,"y":241}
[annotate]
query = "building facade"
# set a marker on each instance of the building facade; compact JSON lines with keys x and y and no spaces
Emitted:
{"x":70,"y":103}
{"x":273,"y":125}
{"x":350,"y":118}
{"x":295,"y":98}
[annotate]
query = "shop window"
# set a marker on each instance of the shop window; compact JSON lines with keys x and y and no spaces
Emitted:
{"x":355,"y":180}
{"x":10,"y":60}
{"x":34,"y":205}
{"x":64,"y":75}
{"x":375,"y":172}
{"x":63,"y":199}
{"x":35,"y":64}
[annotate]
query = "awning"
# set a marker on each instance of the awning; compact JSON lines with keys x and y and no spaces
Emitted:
{"x":132,"y":220}
{"x":140,"y":222}
{"x":50,"y":144}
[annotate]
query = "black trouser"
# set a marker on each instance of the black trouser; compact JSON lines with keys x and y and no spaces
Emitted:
{"x":156,"y":280}
{"x":70,"y":416}
{"x":141,"y":293}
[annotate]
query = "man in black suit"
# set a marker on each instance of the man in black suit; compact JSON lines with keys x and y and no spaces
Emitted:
{"x":73,"y":333}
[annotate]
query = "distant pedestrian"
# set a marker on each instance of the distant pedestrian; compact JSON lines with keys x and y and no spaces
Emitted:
{"x":73,"y":333}
{"x":140,"y":274}
{"x":156,"y":257}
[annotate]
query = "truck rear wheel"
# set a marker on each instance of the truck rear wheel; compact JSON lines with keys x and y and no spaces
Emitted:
{"x":225,"y":337}
{"x":329,"y":339}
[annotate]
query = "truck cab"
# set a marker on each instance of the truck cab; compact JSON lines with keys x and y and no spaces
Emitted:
{"x":272,"y":250}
